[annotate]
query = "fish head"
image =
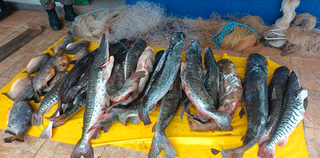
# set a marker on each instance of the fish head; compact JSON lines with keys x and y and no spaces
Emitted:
{"x":193,"y":52}
{"x":257,"y":60}
{"x":226,"y":66}
{"x":177,"y":37}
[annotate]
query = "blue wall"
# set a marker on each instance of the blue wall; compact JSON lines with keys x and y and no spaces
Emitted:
{"x":269,"y":10}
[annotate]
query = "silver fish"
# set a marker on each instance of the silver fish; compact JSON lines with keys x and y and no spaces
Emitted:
{"x":74,"y":48}
{"x":36,"y":63}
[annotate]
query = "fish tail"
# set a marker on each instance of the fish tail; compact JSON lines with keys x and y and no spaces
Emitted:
{"x":84,"y":150}
{"x":134,"y":119}
{"x":159,"y":142}
{"x":223,"y":120}
{"x":264,"y":137}
{"x":36,"y":120}
{"x":144,"y":117}
{"x":47,"y":132}
{"x":104,"y":120}
{"x":266,"y":152}
{"x":7,"y":95}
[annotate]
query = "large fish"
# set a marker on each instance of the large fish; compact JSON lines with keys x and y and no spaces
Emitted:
{"x":36,"y":63}
{"x":46,"y":104}
{"x":255,"y":104}
{"x":293,"y":113}
{"x":192,"y":84}
{"x":276,"y":94}
{"x":98,"y":77}
{"x":132,"y":57}
{"x":41,"y":79}
{"x":168,"y":108}
{"x":75,"y":47}
{"x":18,"y":123}
{"x":68,"y":38}
{"x":162,"y":77}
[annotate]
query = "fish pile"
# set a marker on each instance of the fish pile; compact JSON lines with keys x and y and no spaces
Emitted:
{"x":125,"y":80}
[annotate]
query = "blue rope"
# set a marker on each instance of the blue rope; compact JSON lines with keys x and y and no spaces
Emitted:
{"x":95,"y":16}
{"x":228,"y":29}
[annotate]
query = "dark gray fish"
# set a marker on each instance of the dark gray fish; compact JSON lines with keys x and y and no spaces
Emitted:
{"x":40,"y":81}
{"x":36,"y":63}
{"x":68,"y":38}
{"x":290,"y":118}
{"x":100,"y":72}
{"x":168,"y":108}
{"x":276,"y":93}
{"x":18,"y":123}
{"x":46,"y":104}
{"x":82,"y":53}
{"x":54,"y":80}
{"x":255,"y":104}
{"x":75,"y":47}
{"x":132,"y":57}
{"x":162,"y":77}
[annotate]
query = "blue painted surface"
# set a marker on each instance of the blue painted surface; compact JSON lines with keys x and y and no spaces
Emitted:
{"x":269,"y":10}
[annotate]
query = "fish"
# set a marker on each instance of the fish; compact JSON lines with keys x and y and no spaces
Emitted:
{"x":116,"y":80}
{"x":290,"y":118}
{"x":132,"y":57}
{"x":18,"y":123}
{"x":192,"y":84}
{"x":36,"y":63}
{"x":255,"y":99}
{"x":145,"y":63}
{"x":75,"y":47}
{"x":168,"y":108}
{"x":59,"y":62}
{"x":276,"y":94}
{"x":100,"y":72}
{"x":229,"y":97}
{"x":119,"y":50}
{"x":82,"y":53}
{"x":162,"y":77}
{"x":40,"y":81}
{"x":54,"y":80}
{"x":129,"y":86}
{"x":68,"y":38}
{"x":211,"y":79}
{"x":22,"y":89}
{"x":50,"y":99}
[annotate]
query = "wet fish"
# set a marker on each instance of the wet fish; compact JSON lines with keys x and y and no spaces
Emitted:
{"x":116,"y":80}
{"x":192,"y":84}
{"x":276,"y":93}
{"x":168,"y":108}
{"x":75,"y":47}
{"x":41,"y":79}
{"x":129,"y":86}
{"x":46,"y":104}
{"x":36,"y":63}
{"x":18,"y":121}
{"x":132,"y":57}
{"x":119,"y":50}
{"x":145,"y":63}
{"x":98,"y":77}
{"x":55,"y":79}
{"x":59,"y":62}
{"x":254,"y":102}
{"x":68,"y":38}
{"x":162,"y":77}
{"x":290,"y":118}
{"x":82,"y":53}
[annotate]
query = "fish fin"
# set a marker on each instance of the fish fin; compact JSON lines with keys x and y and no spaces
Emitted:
{"x":47,"y":110}
{"x":134,"y":120}
{"x":96,"y":134}
{"x":243,"y":138}
{"x":185,"y":108}
{"x":303,"y":94}
{"x":214,"y":151}
{"x":264,"y":137}
{"x":86,"y":151}
{"x":19,"y":137}
{"x":282,"y":142}
{"x":36,"y":120}
{"x":106,"y":128}
{"x":36,"y":98}
{"x":64,"y":107}
{"x":47,"y":132}
{"x":143,"y":116}
{"x":7,"y":95}
{"x":265,"y":152}
{"x":123,"y":121}
{"x":307,"y":117}
{"x":160,"y":141}
{"x":154,"y":128}
{"x":242,"y":113}
{"x":222,"y":119}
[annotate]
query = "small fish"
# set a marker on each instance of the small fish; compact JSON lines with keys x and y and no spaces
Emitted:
{"x":162,"y":77}
{"x":255,"y":104}
{"x":68,"y":38}
{"x":75,"y":47}
{"x":169,"y":106}
{"x":132,"y":57}
{"x":290,"y":118}
{"x":18,"y":123}
{"x":82,"y":53}
{"x":46,"y":104}
{"x":36,"y":63}
{"x":41,"y":79}
{"x":276,"y":94}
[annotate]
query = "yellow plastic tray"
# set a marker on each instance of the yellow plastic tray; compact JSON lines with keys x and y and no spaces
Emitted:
{"x":186,"y":142}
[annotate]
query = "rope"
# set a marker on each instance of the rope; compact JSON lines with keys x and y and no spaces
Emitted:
{"x":95,"y":16}
{"x":228,"y":29}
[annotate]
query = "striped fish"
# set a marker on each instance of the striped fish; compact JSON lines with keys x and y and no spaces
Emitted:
{"x":293,"y":113}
